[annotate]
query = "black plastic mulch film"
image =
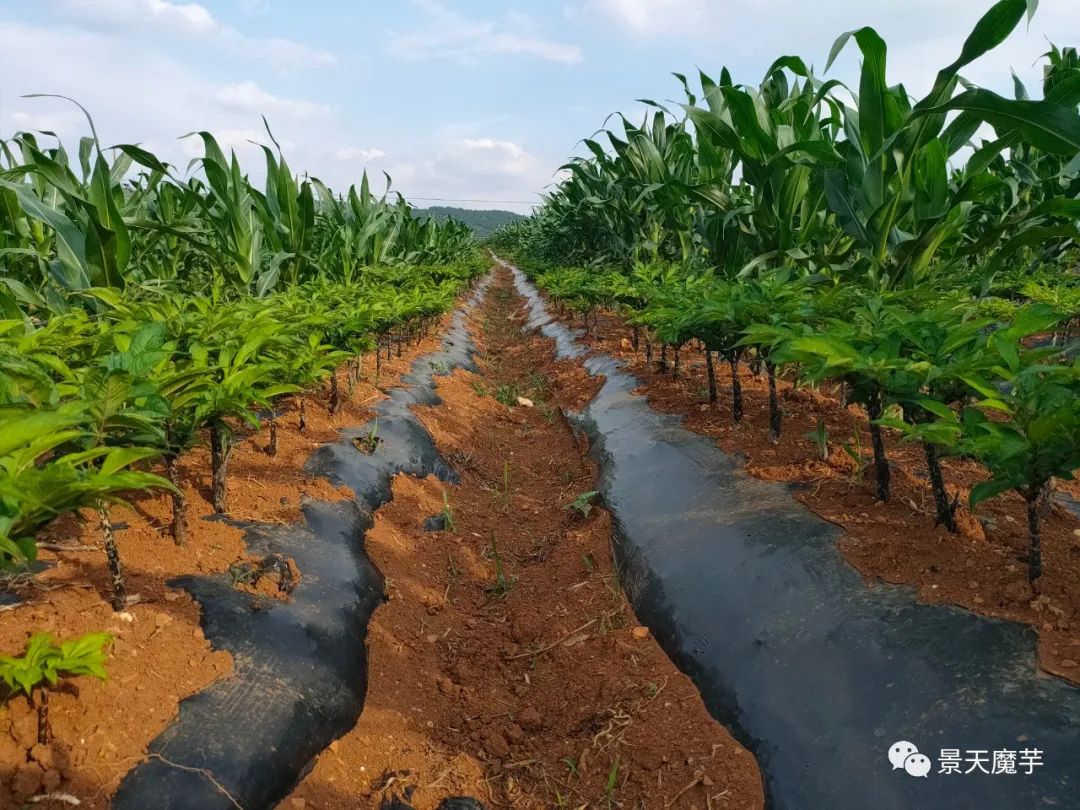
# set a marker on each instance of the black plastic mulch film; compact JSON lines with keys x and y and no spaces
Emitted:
{"x":815,"y":672}
{"x":300,"y":665}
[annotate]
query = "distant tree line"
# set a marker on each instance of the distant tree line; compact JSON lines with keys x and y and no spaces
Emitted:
{"x":481,"y":223}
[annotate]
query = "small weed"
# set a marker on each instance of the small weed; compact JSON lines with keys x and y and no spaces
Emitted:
{"x":612,"y":779}
{"x":506,"y":494}
{"x":461,"y":460}
{"x":614,"y":587}
{"x":820,"y":436}
{"x":854,"y":452}
{"x":440,"y":367}
{"x":539,"y":385}
{"x":447,"y":514}
{"x":612,"y":622}
{"x":614,"y":584}
{"x":582,"y":504}
{"x":589,"y":563}
{"x":503,"y":584}
{"x":479,"y":388}
{"x":508,"y":394}
{"x":242,"y":574}
{"x":369,"y":444}
{"x":571,"y":766}
{"x":547,"y":412}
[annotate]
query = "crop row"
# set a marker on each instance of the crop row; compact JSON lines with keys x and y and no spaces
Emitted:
{"x":143,"y":312}
{"x":915,"y":251}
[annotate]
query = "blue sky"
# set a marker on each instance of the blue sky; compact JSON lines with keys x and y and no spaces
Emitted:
{"x":467,"y":100}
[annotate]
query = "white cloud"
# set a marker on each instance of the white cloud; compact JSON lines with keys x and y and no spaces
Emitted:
{"x":504,"y":157}
{"x":174,"y":89}
{"x":189,"y":21}
{"x":243,"y":141}
{"x":359,"y":153}
{"x":248,"y":97}
{"x":154,"y":105}
{"x":475,"y":173}
{"x":58,"y":121}
{"x":656,"y":16}
{"x":449,"y":35}
{"x":167,"y":97}
{"x":747,"y":35}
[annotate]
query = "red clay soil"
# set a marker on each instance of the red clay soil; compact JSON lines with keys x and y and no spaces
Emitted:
{"x":100,"y":730}
{"x":506,"y":664}
{"x":983,"y":568}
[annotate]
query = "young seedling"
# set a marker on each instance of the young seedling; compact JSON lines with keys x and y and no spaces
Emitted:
{"x":820,"y":436}
{"x":571,"y":766}
{"x":503,"y":584}
{"x":582,"y":504}
{"x":369,"y":444}
{"x":853,"y":450}
{"x":508,"y":394}
{"x":612,"y":780}
{"x":539,"y":385}
{"x":479,"y":388}
{"x":447,"y":514}
{"x":44,"y":663}
{"x":506,"y":494}
{"x":547,"y":412}
{"x":242,"y":575}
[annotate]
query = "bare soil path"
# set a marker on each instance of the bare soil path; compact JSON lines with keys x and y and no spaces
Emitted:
{"x":506,"y":664}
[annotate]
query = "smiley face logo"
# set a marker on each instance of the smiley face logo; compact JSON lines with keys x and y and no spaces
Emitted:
{"x":917,"y":765}
{"x":899,"y":752}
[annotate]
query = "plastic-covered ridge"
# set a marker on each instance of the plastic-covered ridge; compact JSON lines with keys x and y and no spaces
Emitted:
{"x":300,"y":665}
{"x":816,"y":672}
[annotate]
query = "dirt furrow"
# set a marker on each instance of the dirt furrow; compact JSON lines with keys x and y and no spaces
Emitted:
{"x":506,"y":664}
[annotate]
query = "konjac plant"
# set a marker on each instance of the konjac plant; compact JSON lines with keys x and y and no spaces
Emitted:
{"x":855,"y":235}
{"x":143,"y":312}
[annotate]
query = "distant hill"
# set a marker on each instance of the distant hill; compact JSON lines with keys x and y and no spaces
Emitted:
{"x":482,"y":223}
